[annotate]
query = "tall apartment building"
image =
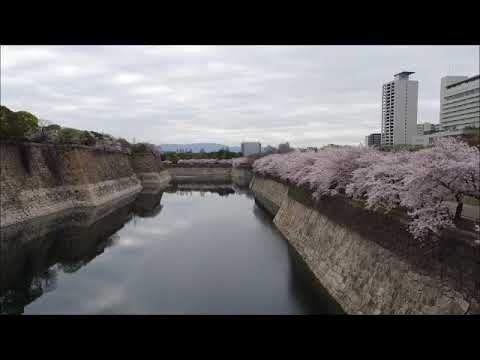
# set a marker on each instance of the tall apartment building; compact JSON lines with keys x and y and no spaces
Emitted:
{"x":399,"y":110}
{"x":459,"y":102}
{"x":250,"y":148}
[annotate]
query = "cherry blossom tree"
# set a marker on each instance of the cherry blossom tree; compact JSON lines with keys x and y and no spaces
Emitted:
{"x":326,"y":172}
{"x":333,"y":169}
{"x":379,"y":179}
{"x":424,"y":182}
{"x":445,"y":173}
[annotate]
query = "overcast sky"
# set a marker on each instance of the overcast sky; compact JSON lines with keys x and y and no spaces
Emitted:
{"x":308,"y":95}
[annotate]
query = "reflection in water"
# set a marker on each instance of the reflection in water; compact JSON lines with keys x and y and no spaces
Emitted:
{"x":30,"y":263}
{"x":188,"y":189}
{"x":303,"y":283}
{"x":205,"y":249}
{"x":147,"y":205}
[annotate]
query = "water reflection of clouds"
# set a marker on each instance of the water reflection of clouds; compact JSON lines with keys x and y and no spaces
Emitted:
{"x":127,"y":241}
{"x":108,"y":298}
{"x":212,"y":254}
{"x":144,"y":233}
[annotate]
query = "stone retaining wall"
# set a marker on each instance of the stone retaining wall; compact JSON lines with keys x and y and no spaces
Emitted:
{"x":196,"y":174}
{"x":38,"y":180}
{"x":149,"y":170}
{"x":241,"y":176}
{"x":216,"y":175}
{"x":368,"y":262}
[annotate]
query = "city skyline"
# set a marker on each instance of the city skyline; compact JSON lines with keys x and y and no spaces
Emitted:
{"x":307,"y":95}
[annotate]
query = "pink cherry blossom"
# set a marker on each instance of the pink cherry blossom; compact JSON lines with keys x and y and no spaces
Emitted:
{"x":423,"y":182}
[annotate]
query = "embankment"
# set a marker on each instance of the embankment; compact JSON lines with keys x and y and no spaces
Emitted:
{"x":149,"y":170}
{"x":368,"y":262}
{"x":41,"y":179}
{"x":211,"y":174}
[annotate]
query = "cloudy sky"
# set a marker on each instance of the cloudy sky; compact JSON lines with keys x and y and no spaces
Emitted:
{"x":308,"y":95}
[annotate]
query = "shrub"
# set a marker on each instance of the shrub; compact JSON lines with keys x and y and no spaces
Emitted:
{"x":124,"y":144}
{"x":172,"y":157}
{"x":69,"y":136}
{"x":16,"y":124}
{"x":86,"y":138}
{"x":53,"y":127}
{"x":38,"y":136}
{"x":139,"y":148}
{"x":145,"y":147}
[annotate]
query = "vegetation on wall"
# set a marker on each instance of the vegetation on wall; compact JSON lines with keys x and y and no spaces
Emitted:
{"x":16,"y":124}
{"x":145,"y":148}
{"x":22,"y":125}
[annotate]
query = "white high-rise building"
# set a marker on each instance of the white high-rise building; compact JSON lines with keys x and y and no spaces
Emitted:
{"x":399,"y":110}
{"x":459,"y":102}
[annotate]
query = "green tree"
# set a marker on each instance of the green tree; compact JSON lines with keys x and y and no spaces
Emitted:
{"x":16,"y":124}
{"x":52,"y":127}
{"x":69,"y":136}
{"x":171,"y":156}
{"x":86,"y":138}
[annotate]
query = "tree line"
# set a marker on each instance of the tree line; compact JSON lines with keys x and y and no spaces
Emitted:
{"x":423,"y":182}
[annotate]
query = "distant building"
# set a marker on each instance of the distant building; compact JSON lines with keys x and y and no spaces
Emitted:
{"x":373,"y":139}
{"x":269,"y":149}
{"x":459,"y":102}
{"x":430,"y":138}
{"x":308,"y":149}
{"x":427,"y":128}
{"x":459,"y":109}
{"x":250,"y":148}
{"x":284,"y":148}
{"x":399,"y":110}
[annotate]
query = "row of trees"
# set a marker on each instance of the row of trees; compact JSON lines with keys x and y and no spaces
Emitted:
{"x":423,"y":182}
{"x":22,"y":125}
{"x":174,"y":157}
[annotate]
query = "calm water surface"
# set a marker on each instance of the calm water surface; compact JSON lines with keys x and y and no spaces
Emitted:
{"x":180,"y":252}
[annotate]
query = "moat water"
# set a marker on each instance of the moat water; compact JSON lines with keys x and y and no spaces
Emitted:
{"x":176,"y":252}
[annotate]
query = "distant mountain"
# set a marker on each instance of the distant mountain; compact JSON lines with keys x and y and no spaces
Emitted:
{"x":196,"y":147}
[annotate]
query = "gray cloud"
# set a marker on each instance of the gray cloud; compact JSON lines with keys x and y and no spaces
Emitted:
{"x":308,"y":95}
